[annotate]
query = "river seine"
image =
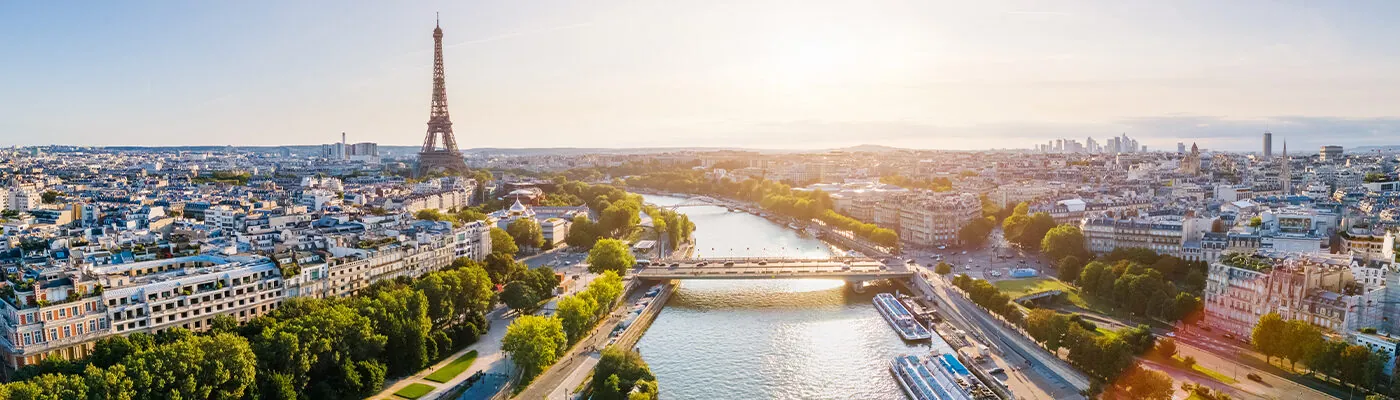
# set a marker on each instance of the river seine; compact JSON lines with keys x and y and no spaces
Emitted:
{"x":767,"y":339}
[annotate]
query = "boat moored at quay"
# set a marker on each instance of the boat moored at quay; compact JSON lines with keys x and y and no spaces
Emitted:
{"x":900,"y":318}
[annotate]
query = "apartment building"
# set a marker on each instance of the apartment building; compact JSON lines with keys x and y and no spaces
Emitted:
{"x":187,"y":292}
{"x":1318,"y":289}
{"x":352,"y":269}
{"x":930,"y":219}
{"x":1165,"y":234}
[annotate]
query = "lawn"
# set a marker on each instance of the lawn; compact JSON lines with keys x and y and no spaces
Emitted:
{"x":454,"y":368}
{"x":414,"y":391}
{"x":1212,"y":374}
{"x":1021,"y":287}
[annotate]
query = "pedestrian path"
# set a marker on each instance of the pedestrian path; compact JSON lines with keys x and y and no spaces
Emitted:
{"x":489,"y":360}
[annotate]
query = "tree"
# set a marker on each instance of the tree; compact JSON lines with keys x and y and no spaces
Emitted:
{"x":576,"y":314}
{"x":1069,"y":268}
{"x":1166,"y":347}
{"x":1302,"y":339}
{"x":518,"y":295}
{"x":1092,"y":274}
{"x":975,"y":233}
{"x":610,"y":255}
{"x":624,"y":370}
{"x":470,"y":215}
{"x":1188,"y":362}
{"x":1035,"y":229}
{"x":502,"y":242}
{"x":1268,"y":335}
{"x":526,"y":232}
{"x":533,"y":343}
{"x":943,"y":268}
{"x":1063,"y":241}
{"x":604,"y":290}
{"x":221,"y":366}
{"x":582,"y":232}
{"x":429,"y":214}
{"x":503,"y":268}
{"x":1047,"y":327}
{"x":1147,"y":384}
{"x":543,"y":280}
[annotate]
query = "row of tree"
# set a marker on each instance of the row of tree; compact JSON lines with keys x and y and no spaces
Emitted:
{"x":989,"y":297}
{"x":868,"y":231}
{"x":772,"y":196}
{"x":672,"y":225}
{"x":1103,"y":356}
{"x":536,"y":342}
{"x":338,"y":348}
{"x":1297,"y":340}
{"x":1130,"y":286}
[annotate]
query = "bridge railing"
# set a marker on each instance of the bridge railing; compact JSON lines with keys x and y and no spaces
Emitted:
{"x":753,"y":260}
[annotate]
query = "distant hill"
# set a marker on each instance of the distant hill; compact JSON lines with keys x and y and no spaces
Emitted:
{"x":1369,"y":149}
{"x":872,"y":148}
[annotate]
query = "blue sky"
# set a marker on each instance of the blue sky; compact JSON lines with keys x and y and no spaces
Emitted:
{"x":752,"y":73}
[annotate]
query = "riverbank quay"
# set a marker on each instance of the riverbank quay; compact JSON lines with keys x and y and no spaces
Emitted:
{"x":584,"y":354}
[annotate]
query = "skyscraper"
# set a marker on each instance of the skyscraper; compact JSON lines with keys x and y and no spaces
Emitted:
{"x":1268,"y":144}
{"x":1285,"y":175}
{"x":1180,"y":148}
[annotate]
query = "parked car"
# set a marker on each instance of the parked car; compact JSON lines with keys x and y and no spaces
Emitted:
{"x":729,"y":263}
{"x":763,"y":263}
{"x":996,"y":370}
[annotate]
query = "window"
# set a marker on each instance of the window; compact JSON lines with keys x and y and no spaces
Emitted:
{"x":27,"y":338}
{"x":48,"y":315}
{"x":92,"y":325}
{"x":67,"y":331}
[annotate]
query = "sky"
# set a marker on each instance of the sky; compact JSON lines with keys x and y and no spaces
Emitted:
{"x":792,"y":74}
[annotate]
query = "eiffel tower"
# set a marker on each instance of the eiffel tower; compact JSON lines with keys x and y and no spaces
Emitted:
{"x":431,"y":158}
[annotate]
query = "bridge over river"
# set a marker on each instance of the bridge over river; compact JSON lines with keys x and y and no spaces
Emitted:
{"x":850,"y":269}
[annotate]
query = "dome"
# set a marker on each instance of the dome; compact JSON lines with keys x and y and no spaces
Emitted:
{"x":517,"y":207}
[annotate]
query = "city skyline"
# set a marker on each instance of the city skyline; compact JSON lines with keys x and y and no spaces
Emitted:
{"x":826,"y":75}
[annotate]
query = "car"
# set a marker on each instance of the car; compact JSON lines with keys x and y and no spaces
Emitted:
{"x":729,"y":263}
{"x":763,"y":263}
{"x":1228,"y":336}
{"x":996,"y":370}
{"x":1255,"y":377}
{"x":701,"y":264}
{"x":882,"y":267}
{"x":845,"y":268}
{"x":1171,"y":334}
{"x":674,"y":265}
{"x":964,"y":252}
{"x":1204,"y":328}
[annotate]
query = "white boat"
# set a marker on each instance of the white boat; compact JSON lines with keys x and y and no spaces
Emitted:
{"x":900,"y":318}
{"x":939,"y":376}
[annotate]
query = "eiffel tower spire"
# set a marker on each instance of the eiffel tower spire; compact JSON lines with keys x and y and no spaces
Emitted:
{"x":439,"y":122}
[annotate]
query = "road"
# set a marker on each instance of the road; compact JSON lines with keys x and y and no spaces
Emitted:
{"x":1065,"y":381}
{"x":581,"y":355}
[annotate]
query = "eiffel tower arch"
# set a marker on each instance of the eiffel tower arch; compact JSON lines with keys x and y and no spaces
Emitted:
{"x":433,"y":158}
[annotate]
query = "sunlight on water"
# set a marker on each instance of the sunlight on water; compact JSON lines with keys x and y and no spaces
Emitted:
{"x":768,"y":339}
